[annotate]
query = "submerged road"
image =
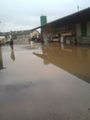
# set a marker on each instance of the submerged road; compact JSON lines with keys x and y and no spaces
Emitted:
{"x":45,"y":82}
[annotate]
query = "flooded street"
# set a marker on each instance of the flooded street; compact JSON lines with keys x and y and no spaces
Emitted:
{"x":45,"y":82}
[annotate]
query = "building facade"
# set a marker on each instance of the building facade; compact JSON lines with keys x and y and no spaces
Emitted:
{"x":74,"y":28}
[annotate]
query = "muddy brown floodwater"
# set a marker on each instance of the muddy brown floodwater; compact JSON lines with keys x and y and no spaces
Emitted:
{"x":45,"y":82}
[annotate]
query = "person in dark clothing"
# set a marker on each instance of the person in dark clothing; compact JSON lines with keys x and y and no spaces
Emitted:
{"x":0,"y":43}
{"x":12,"y":55}
{"x":11,"y":43}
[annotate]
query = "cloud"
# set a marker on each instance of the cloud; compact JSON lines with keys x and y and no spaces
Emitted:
{"x":24,"y":14}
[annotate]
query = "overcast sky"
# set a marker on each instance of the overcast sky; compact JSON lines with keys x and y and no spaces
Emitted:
{"x":25,"y":14}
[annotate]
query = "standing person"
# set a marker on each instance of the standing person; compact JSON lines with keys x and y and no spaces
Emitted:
{"x":12,"y":55}
{"x":11,"y":43}
{"x":0,"y":43}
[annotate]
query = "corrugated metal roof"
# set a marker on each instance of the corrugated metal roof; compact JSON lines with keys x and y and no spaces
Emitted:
{"x":77,"y":17}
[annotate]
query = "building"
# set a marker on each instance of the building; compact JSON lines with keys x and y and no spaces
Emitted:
{"x":71,"y":29}
{"x":34,"y":33}
{"x":22,"y":38}
{"x":74,"y":28}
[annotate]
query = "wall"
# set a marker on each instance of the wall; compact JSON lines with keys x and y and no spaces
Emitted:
{"x":78,"y":30}
{"x":88,"y":28}
{"x":82,"y":39}
{"x":22,"y":39}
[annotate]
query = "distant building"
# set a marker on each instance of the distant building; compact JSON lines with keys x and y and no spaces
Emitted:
{"x":22,"y":39}
{"x":34,"y":33}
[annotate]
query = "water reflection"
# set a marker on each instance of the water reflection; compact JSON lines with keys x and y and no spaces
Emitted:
{"x":73,"y":59}
{"x":12,"y":55}
{"x":1,"y":60}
